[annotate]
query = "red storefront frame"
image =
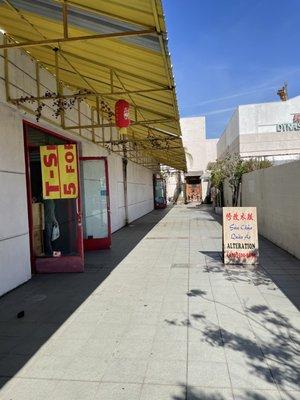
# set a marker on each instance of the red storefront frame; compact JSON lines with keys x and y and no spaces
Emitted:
{"x":100,"y":243}
{"x":68,"y":263}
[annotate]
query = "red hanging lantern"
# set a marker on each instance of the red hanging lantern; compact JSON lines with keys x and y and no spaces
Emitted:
{"x":122,"y":115}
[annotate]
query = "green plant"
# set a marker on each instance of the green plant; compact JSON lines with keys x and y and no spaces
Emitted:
{"x":232,"y":168}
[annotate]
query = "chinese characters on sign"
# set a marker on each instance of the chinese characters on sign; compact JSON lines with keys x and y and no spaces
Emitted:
{"x":240,"y":237}
{"x":59,"y":171}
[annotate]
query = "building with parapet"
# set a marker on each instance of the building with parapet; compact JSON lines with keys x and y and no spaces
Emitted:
{"x":267,"y":131}
{"x":199,"y":152}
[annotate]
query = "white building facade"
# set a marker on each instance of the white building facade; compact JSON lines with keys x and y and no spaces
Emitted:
{"x":15,"y":230}
{"x":199,"y":152}
{"x":266,"y":131}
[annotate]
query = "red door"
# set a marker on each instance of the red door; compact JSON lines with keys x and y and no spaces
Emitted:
{"x":50,"y":253}
{"x":95,"y":199}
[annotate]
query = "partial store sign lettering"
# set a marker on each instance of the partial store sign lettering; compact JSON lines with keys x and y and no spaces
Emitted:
{"x":59,"y":171}
{"x":240,"y":236}
{"x":67,"y":156}
{"x":50,"y":172}
{"x":290,"y":126}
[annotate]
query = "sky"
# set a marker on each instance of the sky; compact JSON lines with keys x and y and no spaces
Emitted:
{"x":227,"y":53}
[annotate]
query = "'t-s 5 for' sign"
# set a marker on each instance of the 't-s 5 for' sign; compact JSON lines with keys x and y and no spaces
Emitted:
{"x":59,"y":171}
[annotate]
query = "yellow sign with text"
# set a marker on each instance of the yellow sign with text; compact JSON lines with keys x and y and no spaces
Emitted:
{"x":50,"y":172}
{"x":59,"y":171}
{"x":67,"y":156}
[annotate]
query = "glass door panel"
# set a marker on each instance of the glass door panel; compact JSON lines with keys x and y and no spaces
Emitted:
{"x":96,"y":221}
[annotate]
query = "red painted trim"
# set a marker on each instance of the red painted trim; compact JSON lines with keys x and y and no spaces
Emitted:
{"x":52,"y":264}
{"x":159,"y":206}
{"x":108,"y":199}
{"x":51,"y":133}
{"x":49,"y":265}
{"x":97,"y":244}
{"x":101,"y":243}
{"x":29,"y":199}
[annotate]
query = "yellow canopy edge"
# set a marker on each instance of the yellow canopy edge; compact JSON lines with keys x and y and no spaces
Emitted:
{"x":114,"y":48}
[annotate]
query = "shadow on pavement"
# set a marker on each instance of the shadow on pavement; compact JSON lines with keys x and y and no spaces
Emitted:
{"x":275,"y":264}
{"x":49,"y":300}
{"x":192,"y":393}
{"x":195,"y":393}
{"x":260,"y":332}
{"x":268,"y":347}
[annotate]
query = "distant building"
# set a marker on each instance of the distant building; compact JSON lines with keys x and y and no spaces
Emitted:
{"x":265,"y":131}
{"x":199,"y":152}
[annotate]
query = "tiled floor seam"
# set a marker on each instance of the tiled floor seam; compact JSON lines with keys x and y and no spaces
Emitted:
{"x":188,"y":315}
{"x":128,"y":324}
{"x":228,"y":371}
{"x":149,"y":360}
{"x":256,"y":339}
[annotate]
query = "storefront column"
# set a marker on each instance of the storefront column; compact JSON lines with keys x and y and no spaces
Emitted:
{"x":124,"y":163}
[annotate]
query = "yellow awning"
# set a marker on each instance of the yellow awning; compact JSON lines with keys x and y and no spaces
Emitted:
{"x":117,"y":49}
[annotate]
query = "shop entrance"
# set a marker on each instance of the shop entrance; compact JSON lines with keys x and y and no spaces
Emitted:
{"x":55,"y":224}
{"x":96,"y":208}
{"x":193,"y":189}
{"x":160,"y":192}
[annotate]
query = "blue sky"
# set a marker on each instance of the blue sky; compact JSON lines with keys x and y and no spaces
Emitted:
{"x":230,"y":52}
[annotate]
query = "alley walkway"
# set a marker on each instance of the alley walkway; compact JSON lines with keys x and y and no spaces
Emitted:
{"x":157,"y":318}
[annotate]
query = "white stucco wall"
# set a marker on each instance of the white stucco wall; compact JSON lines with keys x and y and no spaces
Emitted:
{"x":229,"y":140}
{"x":171,"y":184}
{"x":140,"y":191}
{"x":210,"y":150}
{"x":14,"y":236}
{"x":263,"y":117}
{"x":275,"y":192}
{"x":252,"y":131}
{"x":200,"y":151}
{"x":193,"y":136}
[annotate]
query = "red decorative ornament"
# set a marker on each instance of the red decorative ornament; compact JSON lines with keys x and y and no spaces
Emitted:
{"x":122,"y":114}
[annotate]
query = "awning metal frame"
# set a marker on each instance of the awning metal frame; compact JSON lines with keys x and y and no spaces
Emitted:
{"x":114,"y":82}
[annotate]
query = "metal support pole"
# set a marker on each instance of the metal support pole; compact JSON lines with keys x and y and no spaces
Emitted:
{"x":37,"y":78}
{"x":79,"y":116}
{"x":124,"y":163}
{"x":111,"y":133}
{"x":111,"y":80}
{"x":6,"y":74}
{"x":98,"y":110}
{"x":45,"y":42}
{"x":103,"y":129}
{"x":93,"y":129}
{"x":184,"y":193}
{"x":59,"y":89}
{"x":65,"y":19}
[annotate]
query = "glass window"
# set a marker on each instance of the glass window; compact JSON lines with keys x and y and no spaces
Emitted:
{"x":159,"y":191}
{"x":95,"y":218}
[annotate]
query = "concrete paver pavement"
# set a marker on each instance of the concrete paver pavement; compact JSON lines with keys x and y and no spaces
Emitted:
{"x":157,"y":318}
